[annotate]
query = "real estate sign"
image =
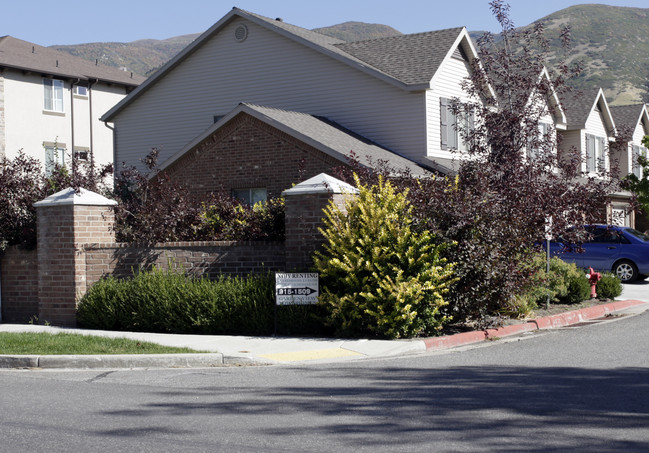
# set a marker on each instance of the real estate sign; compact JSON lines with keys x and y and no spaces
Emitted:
{"x":296,"y":288}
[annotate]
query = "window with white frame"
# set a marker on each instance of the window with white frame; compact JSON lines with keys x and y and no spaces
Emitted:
{"x":595,"y":154}
{"x":534,"y":148}
{"x":250,"y":196}
{"x":80,"y":90}
{"x":450,"y":132}
{"x":637,"y":152}
{"x":53,"y":95}
{"x":53,"y":156}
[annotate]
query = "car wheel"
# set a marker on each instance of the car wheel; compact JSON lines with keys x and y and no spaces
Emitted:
{"x":626,"y":271}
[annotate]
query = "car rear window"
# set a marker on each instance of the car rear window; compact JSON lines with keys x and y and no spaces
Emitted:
{"x":643,"y":237}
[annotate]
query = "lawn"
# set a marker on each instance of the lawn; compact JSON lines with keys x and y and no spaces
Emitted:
{"x":73,"y":344}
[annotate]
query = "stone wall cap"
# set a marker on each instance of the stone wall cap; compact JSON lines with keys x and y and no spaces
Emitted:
{"x":322,"y":183}
{"x":71,"y":197}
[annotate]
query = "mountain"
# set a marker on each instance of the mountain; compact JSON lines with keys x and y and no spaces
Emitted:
{"x":142,"y":57}
{"x":612,"y":42}
{"x":358,"y":31}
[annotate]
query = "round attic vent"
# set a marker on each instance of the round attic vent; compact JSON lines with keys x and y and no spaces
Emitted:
{"x":241,"y":33}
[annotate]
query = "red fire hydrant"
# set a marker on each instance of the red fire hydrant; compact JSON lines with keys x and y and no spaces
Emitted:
{"x":593,"y":278}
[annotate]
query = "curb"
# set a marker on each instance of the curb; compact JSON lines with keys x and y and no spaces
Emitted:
{"x":112,"y":361}
{"x":549,"y":322}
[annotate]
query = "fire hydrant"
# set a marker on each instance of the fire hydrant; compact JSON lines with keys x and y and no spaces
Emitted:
{"x":593,"y":278}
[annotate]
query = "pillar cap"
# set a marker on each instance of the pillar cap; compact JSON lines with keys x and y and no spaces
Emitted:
{"x":322,"y":183}
{"x":71,"y":197}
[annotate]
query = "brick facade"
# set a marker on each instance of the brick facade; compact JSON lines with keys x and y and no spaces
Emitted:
{"x":19,"y":277}
{"x":248,"y":153}
{"x":208,"y":259}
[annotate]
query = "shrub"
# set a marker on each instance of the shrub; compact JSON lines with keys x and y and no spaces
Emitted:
{"x":225,"y":218}
{"x":609,"y":287}
{"x":377,"y":275}
{"x":578,"y":288}
{"x":154,"y":208}
{"x":566,"y":283}
{"x":169,"y":301}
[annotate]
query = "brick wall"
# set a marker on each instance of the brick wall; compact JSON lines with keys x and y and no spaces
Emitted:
{"x":76,"y":248}
{"x":196,"y":258}
{"x":62,"y":231}
{"x":19,"y":277}
{"x":248,"y":153}
{"x":304,"y":215}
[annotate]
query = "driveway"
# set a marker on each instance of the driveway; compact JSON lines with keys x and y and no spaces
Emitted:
{"x":638,"y":290}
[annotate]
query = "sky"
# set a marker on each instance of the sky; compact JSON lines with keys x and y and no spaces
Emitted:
{"x":44,"y":23}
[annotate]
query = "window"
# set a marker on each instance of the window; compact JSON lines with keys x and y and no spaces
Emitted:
{"x":637,"y":152}
{"x":595,"y":154}
{"x":53,"y":156}
{"x":80,"y":90}
{"x":451,"y":137}
{"x":250,"y":196}
{"x":53,"y":95}
{"x":81,"y":155}
{"x":534,"y":147}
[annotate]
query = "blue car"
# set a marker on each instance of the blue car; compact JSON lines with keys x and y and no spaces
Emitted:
{"x":621,"y":250}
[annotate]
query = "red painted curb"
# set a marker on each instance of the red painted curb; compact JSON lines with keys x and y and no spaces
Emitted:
{"x":549,"y":322}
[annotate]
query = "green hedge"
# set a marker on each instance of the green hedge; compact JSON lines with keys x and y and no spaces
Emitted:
{"x":171,"y":302}
{"x":609,"y":287}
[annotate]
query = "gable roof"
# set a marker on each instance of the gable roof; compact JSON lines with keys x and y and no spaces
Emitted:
{"x":25,"y":56}
{"x":579,"y":104}
{"x":413,"y":59}
{"x":628,"y":117}
{"x":408,"y":62}
{"x":321,"y":133}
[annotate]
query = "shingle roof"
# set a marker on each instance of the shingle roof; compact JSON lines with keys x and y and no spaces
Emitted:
{"x":22,"y":55}
{"x":578,"y":104}
{"x":321,"y":133}
{"x":412,"y":59}
{"x":626,"y":118}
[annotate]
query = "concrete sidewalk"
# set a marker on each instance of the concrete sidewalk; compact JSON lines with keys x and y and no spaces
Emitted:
{"x":226,"y":350}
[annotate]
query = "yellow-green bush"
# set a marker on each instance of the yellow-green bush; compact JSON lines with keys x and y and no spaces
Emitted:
{"x":379,"y":277}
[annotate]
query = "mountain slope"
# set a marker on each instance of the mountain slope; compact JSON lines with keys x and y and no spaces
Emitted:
{"x":612,"y":42}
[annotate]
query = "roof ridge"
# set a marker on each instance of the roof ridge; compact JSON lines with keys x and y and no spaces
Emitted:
{"x":401,"y":36}
{"x":286,"y":25}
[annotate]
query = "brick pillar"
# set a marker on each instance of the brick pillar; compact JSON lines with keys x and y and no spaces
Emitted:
{"x":66,"y":222}
{"x":304,"y":213}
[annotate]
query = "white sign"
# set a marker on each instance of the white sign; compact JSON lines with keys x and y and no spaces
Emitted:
{"x":296,"y":288}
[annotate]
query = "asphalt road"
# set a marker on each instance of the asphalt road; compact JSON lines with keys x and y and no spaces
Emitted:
{"x":580,"y":389}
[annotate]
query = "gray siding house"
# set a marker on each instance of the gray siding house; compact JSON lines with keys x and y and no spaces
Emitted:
{"x":390,"y":91}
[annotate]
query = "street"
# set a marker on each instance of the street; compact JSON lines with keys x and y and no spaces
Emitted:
{"x":580,"y":388}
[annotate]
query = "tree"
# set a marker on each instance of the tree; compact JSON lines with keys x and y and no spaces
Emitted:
{"x":639,"y":186}
{"x":498,"y":204}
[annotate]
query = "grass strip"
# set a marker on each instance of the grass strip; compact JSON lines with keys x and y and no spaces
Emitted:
{"x":74,"y":344}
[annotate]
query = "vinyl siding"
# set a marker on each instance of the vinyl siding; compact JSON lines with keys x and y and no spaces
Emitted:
{"x":447,"y":85}
{"x":571,"y":139}
{"x":266,"y":69}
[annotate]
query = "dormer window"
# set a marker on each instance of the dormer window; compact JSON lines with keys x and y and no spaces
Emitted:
{"x":451,"y":125}
{"x":53,"y":95}
{"x":595,"y":154}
